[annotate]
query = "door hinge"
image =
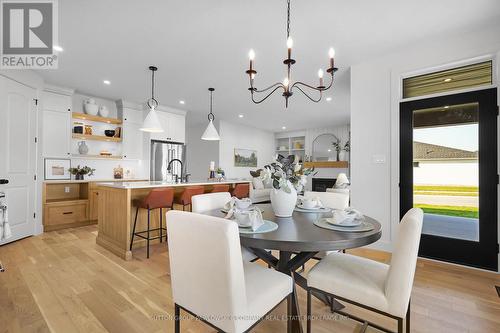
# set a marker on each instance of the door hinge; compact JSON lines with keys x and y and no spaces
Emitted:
{"x":36,"y":101}
{"x":498,"y":248}
{"x":34,"y":177}
{"x":36,"y":139}
{"x":498,"y":110}
{"x":34,"y":215}
{"x":498,"y":179}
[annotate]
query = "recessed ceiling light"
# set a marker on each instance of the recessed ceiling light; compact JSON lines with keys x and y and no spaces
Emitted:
{"x":106,"y":82}
{"x":447,"y":80}
{"x":329,"y":150}
{"x":240,"y":116}
{"x":283,"y":128}
{"x":57,"y":48}
{"x":182,"y":102}
{"x":328,"y":99}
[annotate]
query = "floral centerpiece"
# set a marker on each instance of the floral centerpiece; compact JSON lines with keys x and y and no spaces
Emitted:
{"x":79,"y":172}
{"x":287,"y":178}
{"x":342,"y":149}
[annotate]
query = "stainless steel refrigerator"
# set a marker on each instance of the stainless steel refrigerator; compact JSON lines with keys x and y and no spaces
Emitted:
{"x":162,"y":152}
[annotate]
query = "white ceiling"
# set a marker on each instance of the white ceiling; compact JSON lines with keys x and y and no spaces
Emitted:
{"x":199,"y":44}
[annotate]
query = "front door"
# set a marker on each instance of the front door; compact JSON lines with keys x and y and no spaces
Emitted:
{"x":18,"y":155}
{"x":448,"y":167}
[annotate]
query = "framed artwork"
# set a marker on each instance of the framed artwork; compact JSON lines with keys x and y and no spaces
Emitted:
{"x":57,"y":169}
{"x":245,"y":158}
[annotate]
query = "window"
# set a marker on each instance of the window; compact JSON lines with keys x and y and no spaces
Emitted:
{"x":469,"y":76}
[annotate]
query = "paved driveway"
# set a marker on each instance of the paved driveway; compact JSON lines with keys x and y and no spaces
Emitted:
{"x":451,"y":226}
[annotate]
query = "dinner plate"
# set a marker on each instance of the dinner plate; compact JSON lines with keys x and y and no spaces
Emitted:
{"x":350,"y":224}
{"x":363,"y":227}
{"x":268,"y":226}
{"x":299,"y":208}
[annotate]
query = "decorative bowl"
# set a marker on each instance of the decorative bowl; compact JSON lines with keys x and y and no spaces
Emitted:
{"x":109,"y":133}
{"x":91,"y":109}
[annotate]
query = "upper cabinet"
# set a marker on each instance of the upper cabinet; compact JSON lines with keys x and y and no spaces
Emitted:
{"x":132,"y":136}
{"x":173,"y":123}
{"x":56,"y":132}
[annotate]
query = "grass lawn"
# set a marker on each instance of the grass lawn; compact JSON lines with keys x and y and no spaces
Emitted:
{"x":466,"y":191}
{"x":450,"y":210}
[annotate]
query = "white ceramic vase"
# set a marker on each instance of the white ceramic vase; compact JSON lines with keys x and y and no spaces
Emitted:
{"x":343,"y":155}
{"x":283,"y":203}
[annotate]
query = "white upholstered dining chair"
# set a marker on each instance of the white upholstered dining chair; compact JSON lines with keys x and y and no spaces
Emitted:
{"x":378,"y":287}
{"x":204,"y":203}
{"x":330,"y":199}
{"x":210,"y":280}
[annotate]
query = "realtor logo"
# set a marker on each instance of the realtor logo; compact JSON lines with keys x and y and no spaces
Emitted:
{"x":29,"y":31}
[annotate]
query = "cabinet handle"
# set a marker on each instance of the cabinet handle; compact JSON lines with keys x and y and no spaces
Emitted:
{"x":67,"y":213}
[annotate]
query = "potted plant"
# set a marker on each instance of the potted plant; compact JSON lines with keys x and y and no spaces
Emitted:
{"x":79,"y":172}
{"x":341,"y":150}
{"x":287,"y":178}
{"x":220,"y":173}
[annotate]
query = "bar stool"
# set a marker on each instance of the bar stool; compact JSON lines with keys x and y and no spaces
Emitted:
{"x":241,"y":191}
{"x":220,"y":188}
{"x":157,"y":198}
{"x":185,"y":198}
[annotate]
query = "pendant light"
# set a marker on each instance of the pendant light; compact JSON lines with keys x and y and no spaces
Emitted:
{"x":210,"y":133}
{"x":152,"y":123}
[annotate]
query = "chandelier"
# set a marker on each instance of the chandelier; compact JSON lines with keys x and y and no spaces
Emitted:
{"x":287,"y":86}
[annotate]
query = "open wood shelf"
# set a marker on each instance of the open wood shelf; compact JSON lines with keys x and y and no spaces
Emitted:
{"x":98,"y":157}
{"x":84,"y":116}
{"x":327,"y":164}
{"x":96,"y":137}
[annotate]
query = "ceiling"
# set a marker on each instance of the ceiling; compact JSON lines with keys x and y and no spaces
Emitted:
{"x":201,"y":44}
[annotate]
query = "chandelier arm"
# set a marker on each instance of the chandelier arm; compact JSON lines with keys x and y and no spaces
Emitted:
{"x":312,"y":99}
{"x":279,"y":84}
{"x":263,"y":99}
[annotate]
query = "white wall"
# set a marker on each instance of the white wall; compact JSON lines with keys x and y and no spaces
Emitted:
{"x":375,"y":97}
{"x":447,"y":173}
{"x":199,"y":152}
{"x":239,"y":136}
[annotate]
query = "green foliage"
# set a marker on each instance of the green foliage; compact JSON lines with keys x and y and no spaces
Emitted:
{"x":81,"y":170}
{"x":460,"y":211}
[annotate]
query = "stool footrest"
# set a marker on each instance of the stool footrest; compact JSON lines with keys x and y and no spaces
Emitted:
{"x":138,"y":233}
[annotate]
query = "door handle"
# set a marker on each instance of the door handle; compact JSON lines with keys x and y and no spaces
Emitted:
{"x":4,"y":181}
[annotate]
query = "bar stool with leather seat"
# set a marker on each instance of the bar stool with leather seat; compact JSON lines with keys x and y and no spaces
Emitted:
{"x":220,"y":188}
{"x":162,"y":198}
{"x":185,"y":198}
{"x":241,"y":191}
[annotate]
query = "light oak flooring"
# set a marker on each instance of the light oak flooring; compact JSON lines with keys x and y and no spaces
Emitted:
{"x":62,"y":281}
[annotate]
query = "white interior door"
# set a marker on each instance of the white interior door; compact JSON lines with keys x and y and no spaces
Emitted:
{"x":18,"y":155}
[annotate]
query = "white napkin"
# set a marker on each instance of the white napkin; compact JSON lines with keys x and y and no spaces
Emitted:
{"x":347,"y":216}
{"x":248,"y":218}
{"x":238,"y":203}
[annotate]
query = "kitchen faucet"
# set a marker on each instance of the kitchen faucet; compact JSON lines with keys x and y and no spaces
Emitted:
{"x":184,"y":177}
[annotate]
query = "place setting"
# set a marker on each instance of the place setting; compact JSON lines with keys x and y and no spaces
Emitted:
{"x":248,"y":216}
{"x":347,"y":220}
{"x":310,"y":205}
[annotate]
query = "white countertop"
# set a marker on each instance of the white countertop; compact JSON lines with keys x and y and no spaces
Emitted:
{"x":92,"y":181}
{"x":155,"y":184}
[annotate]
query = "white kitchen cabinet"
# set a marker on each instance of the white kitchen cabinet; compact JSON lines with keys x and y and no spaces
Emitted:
{"x":132,"y":140}
{"x":174,"y":127}
{"x":56,"y":129}
{"x":132,"y":137}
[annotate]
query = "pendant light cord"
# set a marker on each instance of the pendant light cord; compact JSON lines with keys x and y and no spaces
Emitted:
{"x":288,"y":20}
{"x":152,"y":102}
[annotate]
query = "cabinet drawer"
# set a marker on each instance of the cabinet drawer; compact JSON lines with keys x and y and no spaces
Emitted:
{"x":66,"y":213}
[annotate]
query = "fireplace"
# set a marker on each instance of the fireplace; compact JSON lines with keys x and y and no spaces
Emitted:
{"x":321,"y":184}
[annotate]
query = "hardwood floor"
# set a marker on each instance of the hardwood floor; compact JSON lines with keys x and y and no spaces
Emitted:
{"x":62,"y":281}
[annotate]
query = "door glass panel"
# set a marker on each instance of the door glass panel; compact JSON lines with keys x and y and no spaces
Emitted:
{"x":446,"y":170}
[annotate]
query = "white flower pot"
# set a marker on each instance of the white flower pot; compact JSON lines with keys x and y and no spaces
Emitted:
{"x":283,"y":203}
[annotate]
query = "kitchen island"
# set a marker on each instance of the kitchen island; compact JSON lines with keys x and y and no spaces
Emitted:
{"x":117,"y":212}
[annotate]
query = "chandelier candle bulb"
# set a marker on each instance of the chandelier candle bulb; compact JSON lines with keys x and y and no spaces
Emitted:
{"x":331,"y":53}
{"x":320,"y":75}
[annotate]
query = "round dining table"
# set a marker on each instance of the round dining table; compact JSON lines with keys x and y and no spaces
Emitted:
{"x":298,"y":240}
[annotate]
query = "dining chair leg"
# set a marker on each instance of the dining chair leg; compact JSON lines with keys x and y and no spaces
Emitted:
{"x":289,"y":313}
{"x":177,"y":319}
{"x":308,"y":318}
{"x":133,"y":229}
{"x":400,"y":325}
{"x":408,"y":315}
{"x":161,"y":225}
{"x":147,"y":241}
